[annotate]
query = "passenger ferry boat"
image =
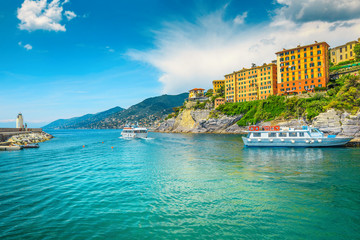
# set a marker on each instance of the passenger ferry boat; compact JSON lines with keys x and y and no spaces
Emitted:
{"x":134,"y":132}
{"x":274,"y":136}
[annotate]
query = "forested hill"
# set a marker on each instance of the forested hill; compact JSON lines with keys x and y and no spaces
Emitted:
{"x":144,"y":113}
{"x":84,"y":121}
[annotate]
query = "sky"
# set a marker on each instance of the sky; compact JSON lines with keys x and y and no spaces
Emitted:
{"x":67,"y":58}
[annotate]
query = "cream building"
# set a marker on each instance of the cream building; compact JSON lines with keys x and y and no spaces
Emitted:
{"x":343,"y":53}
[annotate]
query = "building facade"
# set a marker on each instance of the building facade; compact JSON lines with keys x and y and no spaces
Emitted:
{"x":248,"y":84}
{"x":343,"y":53}
{"x":196,"y":93}
{"x":217,"y":84}
{"x":230,"y":87}
{"x":219,"y":101}
{"x":302,"y":68}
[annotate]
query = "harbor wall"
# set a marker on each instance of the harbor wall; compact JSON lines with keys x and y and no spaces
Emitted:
{"x":20,"y":130}
{"x":6,"y":133}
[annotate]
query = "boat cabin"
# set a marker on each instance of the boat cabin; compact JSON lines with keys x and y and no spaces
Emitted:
{"x":305,"y":132}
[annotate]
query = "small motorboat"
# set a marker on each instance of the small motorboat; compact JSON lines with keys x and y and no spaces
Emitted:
{"x":31,"y":146}
{"x":10,"y":148}
{"x":134,"y":132}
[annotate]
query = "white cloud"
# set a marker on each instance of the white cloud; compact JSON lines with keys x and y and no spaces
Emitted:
{"x":190,"y":55}
{"x":43,"y":15}
{"x":26,"y":46}
{"x":7,"y":120}
{"x":240,"y":19}
{"x":319,"y":10}
{"x":69,"y":15}
{"x":110,"y":49}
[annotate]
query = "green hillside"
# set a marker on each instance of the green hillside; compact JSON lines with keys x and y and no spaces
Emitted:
{"x":145,"y":112}
{"x":84,"y":121}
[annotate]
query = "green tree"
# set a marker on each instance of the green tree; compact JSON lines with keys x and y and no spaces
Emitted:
{"x":357,"y":51}
{"x":221,"y":91}
{"x":209,"y":92}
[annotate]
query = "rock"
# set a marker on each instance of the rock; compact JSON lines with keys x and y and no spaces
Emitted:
{"x":328,"y":122}
{"x":27,"y":138}
{"x":338,"y":123}
{"x":198,"y":121}
{"x":350,"y":125}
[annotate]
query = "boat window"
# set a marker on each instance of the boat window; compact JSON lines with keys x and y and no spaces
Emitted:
{"x":282,"y":134}
{"x":292,"y":134}
{"x":256,"y":134}
{"x":271,"y":134}
{"x":313,"y":130}
{"x":301,"y":134}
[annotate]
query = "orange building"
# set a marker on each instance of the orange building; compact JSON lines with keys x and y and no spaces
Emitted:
{"x":250,"y":84}
{"x":302,"y":68}
{"x":219,"y":101}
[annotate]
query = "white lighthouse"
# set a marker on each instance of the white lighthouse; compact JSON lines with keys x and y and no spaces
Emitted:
{"x":19,"y":121}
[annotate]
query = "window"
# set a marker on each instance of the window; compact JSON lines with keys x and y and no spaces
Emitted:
{"x":282,"y":134}
{"x":292,"y":134}
{"x":271,"y":134}
{"x":301,"y":134}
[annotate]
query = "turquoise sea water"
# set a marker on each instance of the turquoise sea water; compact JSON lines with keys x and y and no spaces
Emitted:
{"x":177,"y":186}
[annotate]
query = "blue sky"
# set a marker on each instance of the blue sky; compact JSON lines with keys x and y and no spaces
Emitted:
{"x":66,"y":58}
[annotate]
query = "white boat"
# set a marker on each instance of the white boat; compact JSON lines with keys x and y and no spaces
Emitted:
{"x":134,"y":132}
{"x":274,"y":136}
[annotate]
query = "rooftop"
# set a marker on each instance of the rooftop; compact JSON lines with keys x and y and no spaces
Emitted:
{"x":299,"y":46}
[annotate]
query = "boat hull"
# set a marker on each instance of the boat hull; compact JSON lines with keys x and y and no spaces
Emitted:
{"x":303,"y":142}
{"x":134,"y":135}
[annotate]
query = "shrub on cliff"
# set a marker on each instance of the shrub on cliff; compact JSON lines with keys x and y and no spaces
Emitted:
{"x":348,"y":96}
{"x":276,"y":107}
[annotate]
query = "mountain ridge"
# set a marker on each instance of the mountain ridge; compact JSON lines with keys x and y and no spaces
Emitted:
{"x":145,"y":113}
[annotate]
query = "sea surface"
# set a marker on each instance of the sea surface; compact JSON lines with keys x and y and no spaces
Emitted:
{"x":91,"y":184}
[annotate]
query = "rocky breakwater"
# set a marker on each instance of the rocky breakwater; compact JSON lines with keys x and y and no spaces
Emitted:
{"x":200,"y":121}
{"x":29,"y":138}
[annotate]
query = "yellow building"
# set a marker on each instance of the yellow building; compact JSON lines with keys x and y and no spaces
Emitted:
{"x":196,"y":93}
{"x":250,"y":84}
{"x":217,"y":84}
{"x":343,"y":53}
{"x":230,"y":87}
{"x":302,"y":68}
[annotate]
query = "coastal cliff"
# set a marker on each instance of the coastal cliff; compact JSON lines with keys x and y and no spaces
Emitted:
{"x":205,"y":121}
{"x":200,"y":121}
